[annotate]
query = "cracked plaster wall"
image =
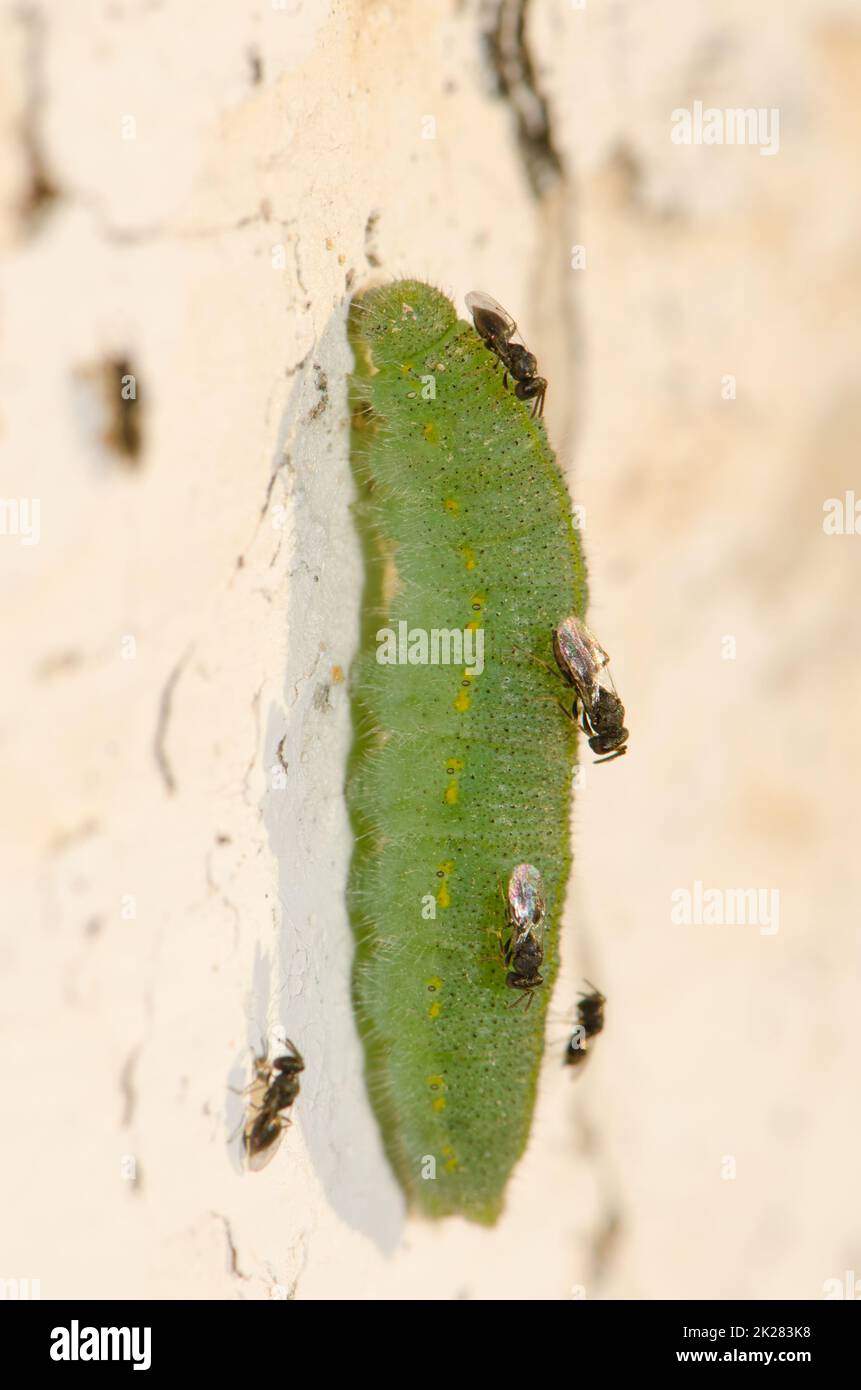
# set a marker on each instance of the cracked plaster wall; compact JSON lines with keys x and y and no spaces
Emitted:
{"x":174,"y":711}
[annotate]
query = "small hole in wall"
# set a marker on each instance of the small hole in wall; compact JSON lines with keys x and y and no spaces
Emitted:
{"x":114,"y":407}
{"x":40,"y":194}
{"x":255,"y":66}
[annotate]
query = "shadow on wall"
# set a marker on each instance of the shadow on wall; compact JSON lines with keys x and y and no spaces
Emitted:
{"x":306,"y":747}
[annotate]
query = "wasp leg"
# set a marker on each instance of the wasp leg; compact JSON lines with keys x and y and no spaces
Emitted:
{"x":554,"y":670}
{"x":617,"y":753}
{"x":501,"y":955}
{"x":525,"y":994}
{"x":570,"y":713}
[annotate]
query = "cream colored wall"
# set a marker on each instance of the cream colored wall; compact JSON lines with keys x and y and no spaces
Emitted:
{"x":217,"y":249}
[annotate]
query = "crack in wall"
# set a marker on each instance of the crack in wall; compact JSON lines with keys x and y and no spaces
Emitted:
{"x":131,"y":236}
{"x":284,"y":466}
{"x":300,"y":281}
{"x":233,"y":1267}
{"x":507,"y":48}
{"x":41,"y":192}
{"x":164,"y":712}
{"x":127,"y":1088}
{"x":255,"y":705}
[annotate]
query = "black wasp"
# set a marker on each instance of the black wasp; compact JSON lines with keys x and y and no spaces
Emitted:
{"x":496,"y":327}
{"x":271,"y":1097}
{"x":523,"y":952}
{"x":590,"y":1021}
{"x":583,"y":663}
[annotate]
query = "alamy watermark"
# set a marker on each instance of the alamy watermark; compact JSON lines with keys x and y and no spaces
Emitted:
{"x":710,"y":125}
{"x":848,"y":1287}
{"x":77,"y":1343}
{"x":16,"y":1289}
{"x":419,"y":646}
{"x":21,"y":516}
{"x":842,"y":515}
{"x":726,"y":907}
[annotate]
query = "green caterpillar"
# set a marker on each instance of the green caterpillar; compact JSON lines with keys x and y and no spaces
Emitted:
{"x":458,"y":772}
